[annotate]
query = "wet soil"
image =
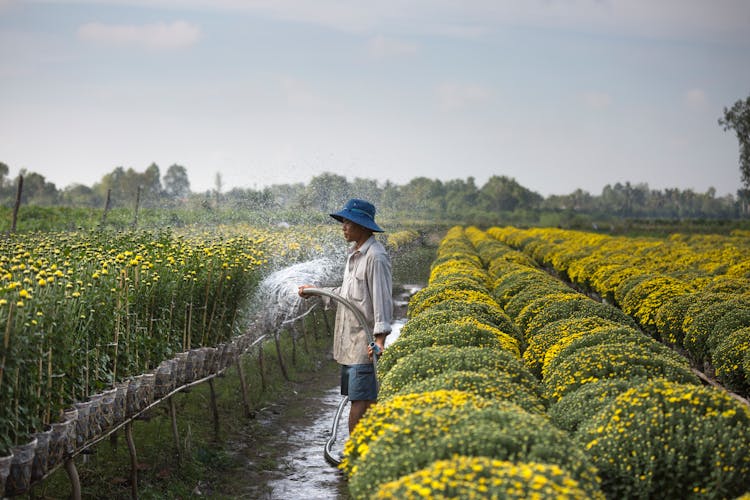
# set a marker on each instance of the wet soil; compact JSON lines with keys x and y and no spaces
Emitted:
{"x":280,"y":452}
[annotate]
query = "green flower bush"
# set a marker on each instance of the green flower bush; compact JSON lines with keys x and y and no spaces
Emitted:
{"x":729,"y":360}
{"x":461,"y":333}
{"x":670,"y":317}
{"x":581,"y":405}
{"x":644,"y":300}
{"x":701,"y":324}
{"x":621,"y":336}
{"x":567,"y":346}
{"x":482,"y":311}
{"x":501,"y":431}
{"x":467,"y":266}
{"x":552,"y":333}
{"x":542,"y":290}
{"x":510,"y":284}
{"x":431,"y":361}
{"x":442,"y":313}
{"x":489,"y":384}
{"x":612,"y":360}
{"x":669,"y":440}
{"x":482,"y":477}
{"x":555,"y":307}
{"x":431,"y":296}
{"x":387,"y":415}
{"x":629,"y":284}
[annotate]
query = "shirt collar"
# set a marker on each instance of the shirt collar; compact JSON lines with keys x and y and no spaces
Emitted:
{"x":365,"y":246}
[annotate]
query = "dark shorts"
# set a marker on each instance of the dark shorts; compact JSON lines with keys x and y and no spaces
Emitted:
{"x":358,"y":382}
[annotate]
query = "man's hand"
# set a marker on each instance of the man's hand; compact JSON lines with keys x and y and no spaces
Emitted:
{"x":301,"y":290}
{"x":376,"y":347}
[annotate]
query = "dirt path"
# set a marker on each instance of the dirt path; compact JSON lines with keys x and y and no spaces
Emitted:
{"x":280,"y":452}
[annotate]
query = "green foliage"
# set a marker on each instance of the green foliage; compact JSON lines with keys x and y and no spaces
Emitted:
{"x":460,"y":333}
{"x":489,"y":384}
{"x":669,"y":440}
{"x":485,"y":311}
{"x":730,"y":360}
{"x":702,"y":327}
{"x":612,"y":360}
{"x":431,"y":361}
{"x":569,"y":305}
{"x":557,"y":331}
{"x":579,"y":406}
{"x":482,"y":477}
{"x":520,"y":280}
{"x":501,"y":431}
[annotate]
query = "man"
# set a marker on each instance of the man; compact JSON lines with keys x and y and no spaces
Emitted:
{"x":366,"y":285}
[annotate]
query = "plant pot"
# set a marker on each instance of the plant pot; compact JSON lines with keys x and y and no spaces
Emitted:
{"x":194,"y":365}
{"x":210,"y":361}
{"x":19,"y":478}
{"x":145,"y":394}
{"x":227,"y":355}
{"x":131,"y":399}
{"x":61,"y":442}
{"x":121,"y":395}
{"x":95,"y":417}
{"x":164,"y":381}
{"x":5,"y":463}
{"x":107,"y":409}
{"x":40,"y":466}
{"x":83,"y":423}
{"x":180,"y":369}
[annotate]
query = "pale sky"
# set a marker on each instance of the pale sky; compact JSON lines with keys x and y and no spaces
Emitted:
{"x":558,"y":94}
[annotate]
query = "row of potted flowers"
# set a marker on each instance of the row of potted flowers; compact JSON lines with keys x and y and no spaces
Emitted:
{"x":631,"y":402}
{"x":459,"y":414}
{"x":689,"y":291}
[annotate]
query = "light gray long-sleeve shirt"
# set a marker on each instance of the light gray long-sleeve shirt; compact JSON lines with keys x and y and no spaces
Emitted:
{"x":367,"y":284}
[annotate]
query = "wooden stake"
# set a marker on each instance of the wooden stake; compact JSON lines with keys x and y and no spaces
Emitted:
{"x":133,"y":460}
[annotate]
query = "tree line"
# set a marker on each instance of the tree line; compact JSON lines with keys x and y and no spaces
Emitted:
{"x":461,"y":200}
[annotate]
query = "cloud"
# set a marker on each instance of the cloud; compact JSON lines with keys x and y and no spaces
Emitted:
{"x":382,"y":47}
{"x":696,"y":99}
{"x":458,"y":96}
{"x":597,"y":100}
{"x":160,"y":36}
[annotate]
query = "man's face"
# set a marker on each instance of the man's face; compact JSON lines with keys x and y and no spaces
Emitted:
{"x":352,"y":231}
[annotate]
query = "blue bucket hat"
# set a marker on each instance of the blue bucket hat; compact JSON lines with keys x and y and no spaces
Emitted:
{"x":360,"y":212}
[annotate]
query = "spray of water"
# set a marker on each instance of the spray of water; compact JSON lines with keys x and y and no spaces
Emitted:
{"x":277,"y":300}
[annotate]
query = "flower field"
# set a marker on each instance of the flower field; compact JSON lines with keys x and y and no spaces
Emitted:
{"x":83,"y":311}
{"x":509,"y":382}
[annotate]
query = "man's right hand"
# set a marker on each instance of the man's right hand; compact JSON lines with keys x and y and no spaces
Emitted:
{"x":301,"y":290}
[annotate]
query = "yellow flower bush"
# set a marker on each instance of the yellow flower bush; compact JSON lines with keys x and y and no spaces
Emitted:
{"x":489,"y":384}
{"x":501,"y":431}
{"x":481,"y":477}
{"x":669,"y":440}
{"x":613,"y":360}
{"x":431,"y":361}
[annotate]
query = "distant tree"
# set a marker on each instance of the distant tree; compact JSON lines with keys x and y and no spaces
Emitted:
{"x":36,"y":189}
{"x":501,"y":193}
{"x":737,"y":118}
{"x":423,"y":196}
{"x":327,"y":192}
{"x":176,"y":182}
{"x":79,"y":195}
{"x":150,"y":183}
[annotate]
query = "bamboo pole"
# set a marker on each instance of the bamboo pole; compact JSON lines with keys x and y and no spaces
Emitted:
{"x":243,"y":385}
{"x":175,"y":432}
{"x":17,"y":205}
{"x":6,"y":340}
{"x":75,"y":481}
{"x":214,"y":408}
{"x":133,"y":460}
